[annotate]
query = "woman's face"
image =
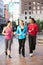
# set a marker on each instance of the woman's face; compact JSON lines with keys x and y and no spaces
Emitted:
{"x":20,"y":22}
{"x":31,"y":21}
{"x":9,"y":24}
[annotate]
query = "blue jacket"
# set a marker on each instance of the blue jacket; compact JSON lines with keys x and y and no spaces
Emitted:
{"x":21,"y":34}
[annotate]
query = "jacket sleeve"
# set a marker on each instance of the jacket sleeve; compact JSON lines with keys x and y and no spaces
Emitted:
{"x":25,"y":29}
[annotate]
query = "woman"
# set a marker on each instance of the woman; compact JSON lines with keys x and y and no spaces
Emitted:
{"x":7,"y":32}
{"x":32,"y":31}
{"x":21,"y":32}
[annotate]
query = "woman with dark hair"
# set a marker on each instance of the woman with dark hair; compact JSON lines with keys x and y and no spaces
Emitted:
{"x":21,"y":32}
{"x":7,"y":32}
{"x":32,"y":31}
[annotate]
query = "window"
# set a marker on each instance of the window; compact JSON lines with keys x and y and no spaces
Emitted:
{"x":34,"y":12}
{"x":38,"y":3}
{"x":42,"y":11}
{"x":30,"y":8}
{"x":25,"y":17}
{"x":29,"y":12}
{"x":25,"y":13}
{"x":34,"y":3}
{"x":34,"y":7}
{"x":38,"y":11}
{"x":29,"y":3}
{"x":38,"y":7}
{"x":25,"y":8}
{"x":42,"y":3}
{"x":25,"y":4}
{"x":29,"y":17}
{"x":41,"y":7}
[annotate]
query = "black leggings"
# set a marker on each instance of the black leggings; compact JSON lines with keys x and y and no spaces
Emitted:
{"x":21,"y":46}
{"x":32,"y":43}
{"x":8,"y":44}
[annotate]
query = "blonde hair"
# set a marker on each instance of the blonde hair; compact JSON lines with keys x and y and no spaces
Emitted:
{"x":21,"y":21}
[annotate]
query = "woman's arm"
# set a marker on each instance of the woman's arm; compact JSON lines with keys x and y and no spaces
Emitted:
{"x":3,"y":32}
{"x":17,"y":31}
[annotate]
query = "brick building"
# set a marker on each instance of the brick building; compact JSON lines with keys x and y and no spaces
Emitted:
{"x":31,"y":8}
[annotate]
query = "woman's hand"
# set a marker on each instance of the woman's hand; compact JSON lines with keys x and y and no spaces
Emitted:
{"x":18,"y":34}
{"x":32,"y":29}
{"x":29,"y":30}
{"x":14,"y":33}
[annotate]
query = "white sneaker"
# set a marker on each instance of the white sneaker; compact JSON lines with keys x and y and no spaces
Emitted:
{"x":31,"y":54}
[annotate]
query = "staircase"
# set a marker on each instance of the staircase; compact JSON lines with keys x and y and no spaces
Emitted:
{"x":40,"y":39}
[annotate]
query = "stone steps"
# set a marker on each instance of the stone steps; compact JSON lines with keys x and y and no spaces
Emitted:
{"x":40,"y":40}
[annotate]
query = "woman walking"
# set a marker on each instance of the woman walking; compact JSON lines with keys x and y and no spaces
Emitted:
{"x":32,"y":31}
{"x":7,"y":32}
{"x":21,"y":32}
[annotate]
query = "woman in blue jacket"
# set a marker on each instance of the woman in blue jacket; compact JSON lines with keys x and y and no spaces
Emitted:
{"x":21,"y":32}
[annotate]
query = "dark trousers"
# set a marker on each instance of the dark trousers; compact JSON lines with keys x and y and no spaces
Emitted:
{"x":8,"y":44}
{"x":32,"y":43}
{"x":22,"y":46}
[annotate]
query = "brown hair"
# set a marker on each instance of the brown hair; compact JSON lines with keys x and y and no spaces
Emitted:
{"x":22,"y":22}
{"x":8,"y":22}
{"x":33,"y":20}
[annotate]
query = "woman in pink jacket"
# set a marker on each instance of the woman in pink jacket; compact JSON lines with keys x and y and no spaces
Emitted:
{"x":7,"y":32}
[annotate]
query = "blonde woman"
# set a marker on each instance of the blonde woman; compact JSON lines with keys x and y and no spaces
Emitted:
{"x":21,"y":32}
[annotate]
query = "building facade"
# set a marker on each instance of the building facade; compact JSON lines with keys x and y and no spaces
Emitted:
{"x":6,"y":12}
{"x":1,"y":8}
{"x":2,"y":19}
{"x":31,"y":8}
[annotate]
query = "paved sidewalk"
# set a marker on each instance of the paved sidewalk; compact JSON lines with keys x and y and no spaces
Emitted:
{"x":37,"y":59}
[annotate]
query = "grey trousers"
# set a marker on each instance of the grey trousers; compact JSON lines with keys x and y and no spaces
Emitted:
{"x":8,"y":44}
